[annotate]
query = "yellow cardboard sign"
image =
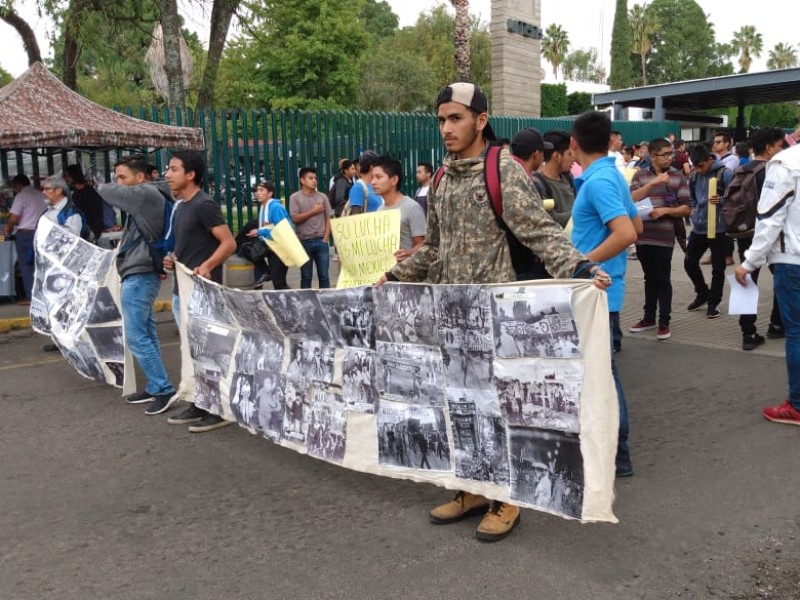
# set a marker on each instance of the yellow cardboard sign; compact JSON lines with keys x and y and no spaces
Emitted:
{"x":366,"y":245}
{"x":286,"y":245}
{"x":712,"y":209}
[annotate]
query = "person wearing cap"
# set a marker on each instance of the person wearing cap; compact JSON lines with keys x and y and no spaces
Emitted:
{"x":555,"y":176}
{"x":465,"y":244}
{"x":529,"y":147}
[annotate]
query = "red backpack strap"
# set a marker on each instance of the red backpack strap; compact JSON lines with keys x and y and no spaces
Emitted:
{"x":491,"y":177}
{"x":437,"y":177}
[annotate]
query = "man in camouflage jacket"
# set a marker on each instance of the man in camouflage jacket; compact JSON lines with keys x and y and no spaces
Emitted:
{"x":465,"y":244}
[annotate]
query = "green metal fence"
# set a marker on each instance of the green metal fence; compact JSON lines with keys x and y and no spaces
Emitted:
{"x":243,"y":146}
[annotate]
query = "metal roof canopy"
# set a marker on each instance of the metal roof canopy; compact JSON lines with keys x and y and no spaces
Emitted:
{"x":715,"y":92}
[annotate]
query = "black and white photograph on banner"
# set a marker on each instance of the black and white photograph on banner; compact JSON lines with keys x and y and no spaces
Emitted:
{"x":74,"y":313}
{"x":82,"y":357}
{"x":479,"y":436}
{"x":243,"y":401}
{"x":547,"y":470}
{"x":269,"y":398}
{"x":534,"y":321}
{"x":411,"y":373}
{"x":412,"y":437}
{"x":59,"y":242}
{"x":258,"y":352}
{"x":350,"y":316}
{"x":327,"y":424}
{"x":118,"y":370}
{"x":311,"y":360}
{"x":249,"y":309}
{"x":404,"y":314}
{"x":108,"y":342}
{"x":83,"y":258}
{"x":208,"y":302}
{"x":40,"y":319}
{"x":467,"y":368}
{"x":97,"y":271}
{"x":104,"y":310}
{"x":540,"y":393}
{"x":211,"y":347}
{"x":465,"y":317}
{"x":41,"y":264}
{"x":207,"y":393}
{"x":299,"y":313}
{"x":296,"y":405}
{"x":58,"y":286}
{"x":358,"y":379}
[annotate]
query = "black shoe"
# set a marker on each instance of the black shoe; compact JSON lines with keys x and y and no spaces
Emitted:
{"x":139,"y":398}
{"x":161,"y":403}
{"x":751,"y":342}
{"x":712,"y":312}
{"x":617,"y":349}
{"x":698,"y":302}
{"x":775,"y":333}
{"x":190,"y":415}
{"x":624,"y":468}
{"x":261,"y":281}
{"x":50,"y":348}
{"x":209,"y":422}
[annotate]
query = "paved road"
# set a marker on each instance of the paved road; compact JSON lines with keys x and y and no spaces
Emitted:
{"x":99,"y":501}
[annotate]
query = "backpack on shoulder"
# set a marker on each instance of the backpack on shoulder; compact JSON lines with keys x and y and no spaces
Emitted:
{"x":162,"y":244}
{"x":70,"y":209}
{"x":526,"y":264}
{"x":347,"y":209}
{"x":740,"y":208}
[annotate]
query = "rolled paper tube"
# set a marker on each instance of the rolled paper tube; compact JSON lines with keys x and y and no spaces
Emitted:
{"x":549,"y":203}
{"x":712,"y":209}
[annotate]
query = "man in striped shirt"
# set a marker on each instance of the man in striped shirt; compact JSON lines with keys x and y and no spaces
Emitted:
{"x":668,"y":190}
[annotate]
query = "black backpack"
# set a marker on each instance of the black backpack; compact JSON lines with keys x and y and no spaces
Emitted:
{"x":740,"y":208}
{"x":70,"y":208}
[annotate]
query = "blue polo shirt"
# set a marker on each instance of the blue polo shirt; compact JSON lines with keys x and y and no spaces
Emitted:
{"x":374,"y":202}
{"x":602,"y":196}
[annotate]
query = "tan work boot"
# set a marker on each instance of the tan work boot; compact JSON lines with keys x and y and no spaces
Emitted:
{"x":500,"y":520}
{"x":462,"y":505}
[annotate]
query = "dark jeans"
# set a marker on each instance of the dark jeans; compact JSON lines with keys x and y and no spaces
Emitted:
{"x":697,"y":246}
{"x":24,"y":246}
{"x":277,"y":271}
{"x":656,"y":264}
{"x":748,"y":322}
{"x":318,"y":254}
{"x":787,"y":289}
{"x":623,"y":449}
{"x":616,"y":331}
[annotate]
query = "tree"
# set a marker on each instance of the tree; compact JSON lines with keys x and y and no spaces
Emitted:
{"x":222,"y":12}
{"x":621,"y":68}
{"x":554,"y":100}
{"x":25,"y":31}
{"x":578,"y":103}
{"x":644,"y":26}
{"x":583,"y":65}
{"x":5,"y":77}
{"x":684,"y":46}
{"x":782,"y":56}
{"x":461,"y":39}
{"x":555,"y":46}
{"x":74,"y":18}
{"x":171,"y":28}
{"x":781,"y":114}
{"x":749,"y":44}
{"x":379,"y":19}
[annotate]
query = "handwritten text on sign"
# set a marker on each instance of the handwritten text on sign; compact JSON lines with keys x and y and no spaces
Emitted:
{"x":366,"y":245}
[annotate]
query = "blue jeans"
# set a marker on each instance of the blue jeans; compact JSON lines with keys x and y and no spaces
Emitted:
{"x":318,"y":253}
{"x":787,"y":288}
{"x":137,"y":296}
{"x":623,"y":450}
{"x":24,"y":246}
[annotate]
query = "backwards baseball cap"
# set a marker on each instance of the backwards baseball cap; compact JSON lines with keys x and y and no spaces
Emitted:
{"x":471,"y":96}
{"x":527,"y":141}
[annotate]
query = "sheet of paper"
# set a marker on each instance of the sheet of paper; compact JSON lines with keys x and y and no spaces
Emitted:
{"x":645,"y":207}
{"x":743,"y":300}
{"x":287,"y":246}
{"x":366,"y":245}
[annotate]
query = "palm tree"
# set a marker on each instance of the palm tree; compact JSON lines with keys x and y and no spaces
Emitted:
{"x":555,"y":46}
{"x":644,"y":25}
{"x":461,"y":39}
{"x":750,"y":44}
{"x":782,"y":56}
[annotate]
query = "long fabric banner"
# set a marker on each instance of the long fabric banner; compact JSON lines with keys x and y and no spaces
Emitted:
{"x":500,"y":390}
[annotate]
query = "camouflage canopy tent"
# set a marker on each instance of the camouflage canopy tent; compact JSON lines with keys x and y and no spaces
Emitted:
{"x":38,"y":111}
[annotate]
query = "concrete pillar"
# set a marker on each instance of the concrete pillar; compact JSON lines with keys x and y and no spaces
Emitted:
{"x":659,"y":114}
{"x":516,"y":57}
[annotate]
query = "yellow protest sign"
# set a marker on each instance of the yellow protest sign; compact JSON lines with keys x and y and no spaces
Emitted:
{"x":366,"y":245}
{"x":286,"y":245}
{"x":712,"y":209}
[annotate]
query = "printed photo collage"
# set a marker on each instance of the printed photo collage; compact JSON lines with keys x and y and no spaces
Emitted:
{"x":70,"y":304}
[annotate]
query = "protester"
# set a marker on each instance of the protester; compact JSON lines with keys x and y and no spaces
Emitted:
{"x":602,"y":228}
{"x":615,"y":146}
{"x":28,"y":206}
{"x":61,"y":210}
{"x":143,"y":202}
{"x":723,"y":148}
{"x":465,"y":244}
{"x":202,"y":243}
{"x":669,"y":193}
{"x":424,"y":176}
{"x":89,"y":201}
{"x":270,"y":214}
{"x":529,"y":147}
{"x":341,"y":186}
{"x":631,"y":159}
{"x":554,"y":175}
{"x":777,"y":242}
{"x":681,"y":160}
{"x":742,"y":150}
{"x":387,"y":177}
{"x":311,"y":214}
{"x":706,"y":167}
{"x":643,"y":152}
{"x":363,"y":192}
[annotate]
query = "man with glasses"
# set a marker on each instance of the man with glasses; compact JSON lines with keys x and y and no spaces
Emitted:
{"x":668,"y":190}
{"x":723,"y":148}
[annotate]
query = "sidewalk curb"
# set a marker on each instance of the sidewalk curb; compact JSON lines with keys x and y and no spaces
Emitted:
{"x":14,"y":323}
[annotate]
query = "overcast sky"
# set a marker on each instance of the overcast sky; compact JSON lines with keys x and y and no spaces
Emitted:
{"x":591,"y":29}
